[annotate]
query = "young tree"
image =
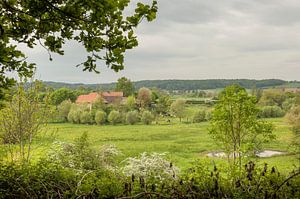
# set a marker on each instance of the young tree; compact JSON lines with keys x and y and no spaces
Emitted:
{"x":64,"y":109}
{"x":144,"y":97}
{"x":235,"y":124}
{"x":199,"y":116}
{"x":100,"y":117}
{"x":22,"y":119}
{"x":147,"y":117}
{"x":100,"y":26}
{"x":74,"y":114}
{"x":162,"y":104}
{"x":293,"y":117}
{"x":178,"y":108}
{"x":62,"y":94}
{"x":125,"y":85}
{"x":132,"y":117}
{"x":130,"y":103}
{"x":272,"y":97}
{"x":86,"y":117}
{"x":99,"y":104}
{"x":114,"y":117}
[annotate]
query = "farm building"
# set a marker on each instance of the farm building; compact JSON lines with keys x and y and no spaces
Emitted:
{"x":108,"y":97}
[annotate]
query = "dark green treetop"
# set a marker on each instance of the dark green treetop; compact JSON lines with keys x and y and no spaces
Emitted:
{"x":125,"y":85}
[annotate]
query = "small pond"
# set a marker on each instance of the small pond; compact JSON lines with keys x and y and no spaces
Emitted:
{"x":262,"y":154}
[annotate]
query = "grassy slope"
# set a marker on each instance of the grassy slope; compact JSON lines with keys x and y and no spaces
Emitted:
{"x":183,"y":142}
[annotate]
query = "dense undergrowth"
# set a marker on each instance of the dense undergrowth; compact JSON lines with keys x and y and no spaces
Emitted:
{"x":79,"y":171}
{"x":48,"y":180}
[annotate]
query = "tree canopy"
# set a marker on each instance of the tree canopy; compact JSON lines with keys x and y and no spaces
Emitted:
{"x":236,"y":126}
{"x":125,"y":85}
{"x":100,"y":26}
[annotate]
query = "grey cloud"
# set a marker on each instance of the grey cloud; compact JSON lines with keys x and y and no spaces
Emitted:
{"x":199,"y":39}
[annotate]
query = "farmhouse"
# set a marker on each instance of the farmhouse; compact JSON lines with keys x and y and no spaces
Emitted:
{"x":108,"y":97}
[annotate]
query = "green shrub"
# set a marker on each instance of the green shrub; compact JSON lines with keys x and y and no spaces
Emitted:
{"x":132,"y":117}
{"x":99,"y":104}
{"x":199,"y":116}
{"x":148,"y":176}
{"x":64,"y":109}
{"x":271,"y":112}
{"x":74,"y":115}
{"x":288,"y":103}
{"x":293,"y":118}
{"x":208,"y":115}
{"x":147,"y":117}
{"x":114,"y":117}
{"x":86,"y":118}
{"x":100,"y":117}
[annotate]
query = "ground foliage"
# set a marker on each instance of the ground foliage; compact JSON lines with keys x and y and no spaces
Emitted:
{"x":48,"y":180}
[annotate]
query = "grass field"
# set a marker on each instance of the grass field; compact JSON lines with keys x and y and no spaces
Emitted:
{"x":182,"y":142}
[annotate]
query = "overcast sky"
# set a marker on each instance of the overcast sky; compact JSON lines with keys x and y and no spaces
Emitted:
{"x":199,"y":39}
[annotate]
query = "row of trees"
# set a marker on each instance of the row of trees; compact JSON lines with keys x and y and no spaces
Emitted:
{"x":146,"y":106}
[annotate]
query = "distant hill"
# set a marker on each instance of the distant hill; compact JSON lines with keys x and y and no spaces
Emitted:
{"x":182,"y":85}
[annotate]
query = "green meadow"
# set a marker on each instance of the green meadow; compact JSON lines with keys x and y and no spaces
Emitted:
{"x":182,"y":142}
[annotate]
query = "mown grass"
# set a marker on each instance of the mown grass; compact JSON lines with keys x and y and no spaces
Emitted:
{"x":182,"y":142}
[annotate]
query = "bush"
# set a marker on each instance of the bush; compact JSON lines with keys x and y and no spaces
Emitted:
{"x":100,"y":117}
{"x":208,"y":115}
{"x":81,"y":156}
{"x":152,"y":168}
{"x":148,"y":176}
{"x":132,"y":117}
{"x":288,"y":103}
{"x":64,"y":109}
{"x":74,"y":115}
{"x":114,"y":117}
{"x":271,"y":112}
{"x":199,"y":116}
{"x":86,"y":118}
{"x":147,"y":117}
{"x":99,"y":104}
{"x":293,"y":117}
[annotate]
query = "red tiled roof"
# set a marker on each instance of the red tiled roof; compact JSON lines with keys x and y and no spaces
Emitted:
{"x":87,"y":98}
{"x":108,"y":97}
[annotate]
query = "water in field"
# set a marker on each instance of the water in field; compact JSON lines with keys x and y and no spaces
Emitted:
{"x":269,"y":153}
{"x":262,"y":154}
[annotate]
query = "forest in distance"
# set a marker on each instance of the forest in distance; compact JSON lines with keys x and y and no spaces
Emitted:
{"x":183,"y":85}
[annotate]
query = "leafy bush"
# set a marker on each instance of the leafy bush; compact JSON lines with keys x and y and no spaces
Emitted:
{"x":152,"y":168}
{"x":64,"y":109}
{"x":178,"y":108}
{"x":100,"y":117}
{"x":80,"y":155}
{"x":114,"y":117}
{"x":74,"y":115}
{"x":199,"y":116}
{"x":132,"y":117}
{"x":86,"y":118}
{"x":47,"y":180}
{"x":293,"y":117}
{"x":147,"y":117}
{"x":271,"y":112}
{"x":208,"y":115}
{"x":288,"y":104}
{"x":148,"y":176}
{"x":99,"y":104}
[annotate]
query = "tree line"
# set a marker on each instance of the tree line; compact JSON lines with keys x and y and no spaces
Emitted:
{"x":180,"y":85}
